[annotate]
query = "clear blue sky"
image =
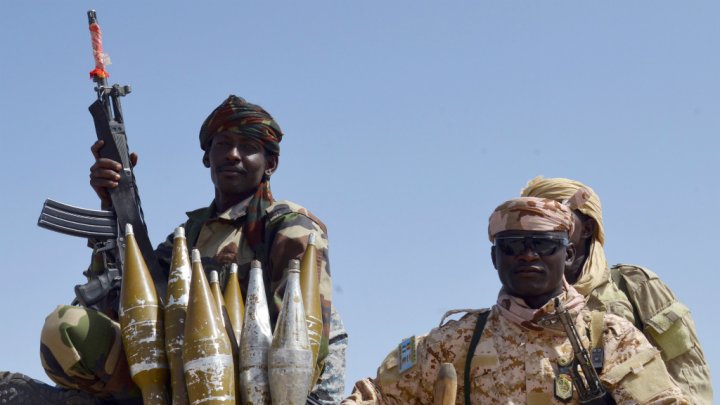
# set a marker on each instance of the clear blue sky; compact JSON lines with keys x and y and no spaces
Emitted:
{"x":406,"y":123}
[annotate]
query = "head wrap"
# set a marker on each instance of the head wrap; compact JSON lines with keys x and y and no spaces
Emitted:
{"x":595,"y":270}
{"x":252,"y":121}
{"x":530,"y":214}
{"x":247,"y":119}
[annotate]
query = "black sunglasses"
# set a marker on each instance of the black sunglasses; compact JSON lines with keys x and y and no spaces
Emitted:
{"x":543,"y":245}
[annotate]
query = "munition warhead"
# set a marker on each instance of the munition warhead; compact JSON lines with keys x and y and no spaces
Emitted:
{"x":217,"y":294}
{"x":207,"y":355}
{"x":141,"y":325}
{"x":445,"y":388}
{"x":234,"y":310}
{"x":290,"y":365}
{"x":310,"y":286}
{"x":178,"y":293}
{"x":234,"y":302}
{"x":255,"y":342}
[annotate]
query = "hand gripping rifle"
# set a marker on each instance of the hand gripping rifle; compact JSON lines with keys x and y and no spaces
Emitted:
{"x":590,"y":389}
{"x":105,"y":228}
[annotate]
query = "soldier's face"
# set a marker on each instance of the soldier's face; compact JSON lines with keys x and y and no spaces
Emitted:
{"x":531,"y":264}
{"x":237,"y":164}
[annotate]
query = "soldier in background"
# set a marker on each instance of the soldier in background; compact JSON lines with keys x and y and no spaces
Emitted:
{"x":522,"y":354}
{"x":81,"y":347}
{"x":632,"y":292}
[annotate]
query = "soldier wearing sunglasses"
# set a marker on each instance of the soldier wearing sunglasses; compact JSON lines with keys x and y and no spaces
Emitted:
{"x":632,"y":292}
{"x":518,"y":351}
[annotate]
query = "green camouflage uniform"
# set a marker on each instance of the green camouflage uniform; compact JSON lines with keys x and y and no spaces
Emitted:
{"x":81,"y":348}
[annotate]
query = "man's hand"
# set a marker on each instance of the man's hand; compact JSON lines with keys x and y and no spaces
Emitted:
{"x":105,"y":174}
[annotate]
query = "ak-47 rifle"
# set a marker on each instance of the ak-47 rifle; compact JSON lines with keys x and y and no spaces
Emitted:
{"x":590,"y":389}
{"x":105,"y":228}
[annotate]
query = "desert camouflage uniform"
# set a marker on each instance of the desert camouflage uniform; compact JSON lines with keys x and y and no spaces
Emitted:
{"x":666,"y":322}
{"x":515,"y":365}
{"x":81,"y":348}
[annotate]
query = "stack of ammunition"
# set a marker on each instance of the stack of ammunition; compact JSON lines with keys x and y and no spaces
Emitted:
{"x":219,"y":349}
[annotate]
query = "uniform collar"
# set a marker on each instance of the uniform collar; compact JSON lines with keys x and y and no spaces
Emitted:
{"x":237,"y":211}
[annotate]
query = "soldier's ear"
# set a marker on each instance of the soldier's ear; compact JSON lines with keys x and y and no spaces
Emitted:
{"x":272,"y":164}
{"x":569,"y":255}
{"x":492,"y":256}
{"x":588,"y":228}
{"x":206,"y":159}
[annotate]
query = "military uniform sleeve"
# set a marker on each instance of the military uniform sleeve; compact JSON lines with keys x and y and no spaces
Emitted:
{"x":669,"y":326}
{"x":393,"y":387}
{"x":289,"y":238}
{"x":634,"y":371}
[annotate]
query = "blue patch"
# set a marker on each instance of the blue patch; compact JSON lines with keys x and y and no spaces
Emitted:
{"x":407,"y":353}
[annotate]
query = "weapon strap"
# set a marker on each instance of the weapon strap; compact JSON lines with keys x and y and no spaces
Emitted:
{"x":482,"y":320}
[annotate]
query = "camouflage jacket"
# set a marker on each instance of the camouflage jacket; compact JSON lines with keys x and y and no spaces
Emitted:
{"x":638,"y":295}
{"x":514,"y":365}
{"x":220,"y":240}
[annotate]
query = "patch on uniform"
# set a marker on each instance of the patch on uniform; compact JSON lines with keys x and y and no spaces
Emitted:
{"x":563,"y":387}
{"x":407,"y":354}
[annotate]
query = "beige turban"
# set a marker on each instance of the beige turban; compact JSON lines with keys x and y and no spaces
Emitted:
{"x":530,"y":214}
{"x":565,"y":190}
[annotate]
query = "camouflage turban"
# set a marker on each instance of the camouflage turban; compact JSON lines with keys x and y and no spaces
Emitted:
{"x":530,"y":214}
{"x":237,"y":115}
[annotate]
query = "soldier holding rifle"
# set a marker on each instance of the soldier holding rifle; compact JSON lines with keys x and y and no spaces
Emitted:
{"x":241,"y":144}
{"x":539,"y":344}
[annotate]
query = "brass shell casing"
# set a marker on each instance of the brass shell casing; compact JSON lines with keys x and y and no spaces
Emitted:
{"x":255,"y":342}
{"x":141,"y":325}
{"x":178,"y":293}
{"x":207,"y":354}
{"x":290,"y":365}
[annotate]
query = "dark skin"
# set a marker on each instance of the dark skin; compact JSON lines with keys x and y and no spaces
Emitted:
{"x":237,"y":166}
{"x":534,"y":278}
{"x":581,"y":238}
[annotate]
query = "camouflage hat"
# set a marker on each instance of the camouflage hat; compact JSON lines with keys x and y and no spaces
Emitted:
{"x":237,"y":115}
{"x":530,"y":214}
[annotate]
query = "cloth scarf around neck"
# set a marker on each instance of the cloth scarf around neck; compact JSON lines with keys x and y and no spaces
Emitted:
{"x":517,"y":311}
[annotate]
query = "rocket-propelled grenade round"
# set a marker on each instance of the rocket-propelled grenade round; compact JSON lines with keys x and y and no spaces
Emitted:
{"x":234,"y":302}
{"x":178,"y":293}
{"x":234,"y":310}
{"x":207,"y":355}
{"x":255,"y":342}
{"x":445,"y":388}
{"x":217,"y":294}
{"x":141,"y":325}
{"x":310,"y":286}
{"x":290,"y":365}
